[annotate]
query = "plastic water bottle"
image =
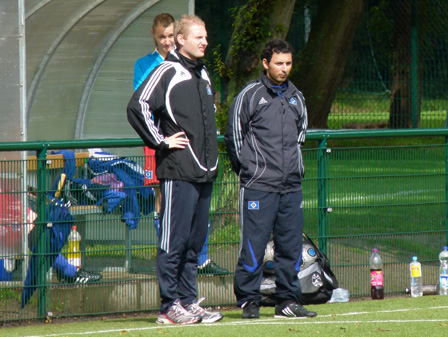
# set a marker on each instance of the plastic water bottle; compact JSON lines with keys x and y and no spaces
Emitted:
{"x":74,"y":252}
{"x":443,"y":271}
{"x":376,"y":276}
{"x":339,"y":295}
{"x":416,"y":278}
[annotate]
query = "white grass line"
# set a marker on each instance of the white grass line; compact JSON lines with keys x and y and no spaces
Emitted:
{"x":308,"y":321}
{"x":382,"y":311}
{"x":270,"y":321}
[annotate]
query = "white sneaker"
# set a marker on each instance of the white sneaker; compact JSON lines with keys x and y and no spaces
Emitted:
{"x":207,"y":316}
{"x":177,"y":314}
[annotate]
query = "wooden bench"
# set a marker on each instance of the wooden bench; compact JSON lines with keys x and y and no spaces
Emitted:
{"x":56,"y":161}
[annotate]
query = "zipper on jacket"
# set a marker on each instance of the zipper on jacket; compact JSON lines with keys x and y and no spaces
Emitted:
{"x":284,"y":176}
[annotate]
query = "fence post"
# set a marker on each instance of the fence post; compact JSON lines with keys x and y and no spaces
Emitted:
{"x":41,"y":243}
{"x":446,"y":189}
{"x":414,"y":66}
{"x":322,"y":193}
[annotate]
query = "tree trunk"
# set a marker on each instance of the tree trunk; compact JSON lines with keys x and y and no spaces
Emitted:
{"x":401,"y":93}
{"x":320,"y":66}
{"x":256,"y":23}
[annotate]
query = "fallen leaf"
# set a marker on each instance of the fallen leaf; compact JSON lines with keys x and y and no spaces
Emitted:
{"x":383,"y":330}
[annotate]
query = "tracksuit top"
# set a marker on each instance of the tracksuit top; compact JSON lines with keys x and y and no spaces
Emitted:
{"x":144,"y":65}
{"x":264,"y":134}
{"x":180,"y":96}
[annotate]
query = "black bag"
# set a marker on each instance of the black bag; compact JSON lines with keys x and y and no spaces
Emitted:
{"x":316,"y":277}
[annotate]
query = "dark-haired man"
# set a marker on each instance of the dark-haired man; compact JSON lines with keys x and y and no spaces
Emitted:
{"x":264,"y":134}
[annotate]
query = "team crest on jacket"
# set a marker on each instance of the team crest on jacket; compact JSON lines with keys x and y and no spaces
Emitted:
{"x":293,"y":101}
{"x":209,"y":90}
{"x":148,"y":174}
{"x":253,"y":205}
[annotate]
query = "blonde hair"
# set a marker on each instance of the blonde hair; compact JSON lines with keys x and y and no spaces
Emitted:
{"x":183,"y":25}
{"x":164,"y":20}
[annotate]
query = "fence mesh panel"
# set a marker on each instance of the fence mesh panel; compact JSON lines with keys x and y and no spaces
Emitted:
{"x":356,"y":198}
{"x":397,"y":73}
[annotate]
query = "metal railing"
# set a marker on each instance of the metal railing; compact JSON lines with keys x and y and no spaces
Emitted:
{"x":391,"y":195}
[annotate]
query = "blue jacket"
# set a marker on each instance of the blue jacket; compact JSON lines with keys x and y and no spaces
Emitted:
{"x":137,"y":195}
{"x":143,"y":67}
{"x":69,"y":169}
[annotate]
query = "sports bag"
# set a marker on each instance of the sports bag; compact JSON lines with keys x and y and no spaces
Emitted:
{"x":316,"y":277}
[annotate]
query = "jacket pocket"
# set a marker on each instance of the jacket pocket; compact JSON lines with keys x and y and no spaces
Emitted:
{"x":253,"y":162}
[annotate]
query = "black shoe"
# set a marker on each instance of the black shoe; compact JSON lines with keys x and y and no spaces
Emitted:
{"x":291,"y":310}
{"x":211,"y":268}
{"x":81,"y":277}
{"x":250,"y":310}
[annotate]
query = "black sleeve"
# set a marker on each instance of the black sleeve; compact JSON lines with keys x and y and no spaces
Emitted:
{"x":143,"y":107}
{"x":236,"y":128}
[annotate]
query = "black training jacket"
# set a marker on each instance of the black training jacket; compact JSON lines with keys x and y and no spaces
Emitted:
{"x":264,"y":134}
{"x":178,"y":95}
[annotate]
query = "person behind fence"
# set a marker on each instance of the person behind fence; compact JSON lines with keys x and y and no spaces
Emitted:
{"x":64,"y":270}
{"x":173,"y":112}
{"x":69,"y":273}
{"x":162,"y":32}
{"x":264,"y":134}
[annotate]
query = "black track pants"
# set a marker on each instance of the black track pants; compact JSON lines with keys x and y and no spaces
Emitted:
{"x":260,"y":213}
{"x":183,"y":228}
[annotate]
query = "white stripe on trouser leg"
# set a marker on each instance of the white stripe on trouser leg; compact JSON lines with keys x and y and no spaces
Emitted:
{"x":166,"y":223}
{"x":241,"y":220}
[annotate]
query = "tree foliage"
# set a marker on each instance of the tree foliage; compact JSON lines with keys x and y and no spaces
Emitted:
{"x":319,"y":67}
{"x":330,"y":38}
{"x":255,"y":23}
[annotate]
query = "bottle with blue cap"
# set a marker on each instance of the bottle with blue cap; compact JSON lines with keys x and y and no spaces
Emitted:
{"x":416,"y":278}
{"x":443,"y":271}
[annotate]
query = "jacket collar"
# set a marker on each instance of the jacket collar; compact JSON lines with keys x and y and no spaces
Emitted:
{"x":279,"y":90}
{"x":193,"y":66}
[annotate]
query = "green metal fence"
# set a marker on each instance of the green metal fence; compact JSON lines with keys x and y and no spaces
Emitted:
{"x":356,"y":197}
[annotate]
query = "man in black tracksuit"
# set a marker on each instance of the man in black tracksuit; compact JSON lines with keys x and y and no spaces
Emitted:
{"x":265,"y":130}
{"x":180,"y":96}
